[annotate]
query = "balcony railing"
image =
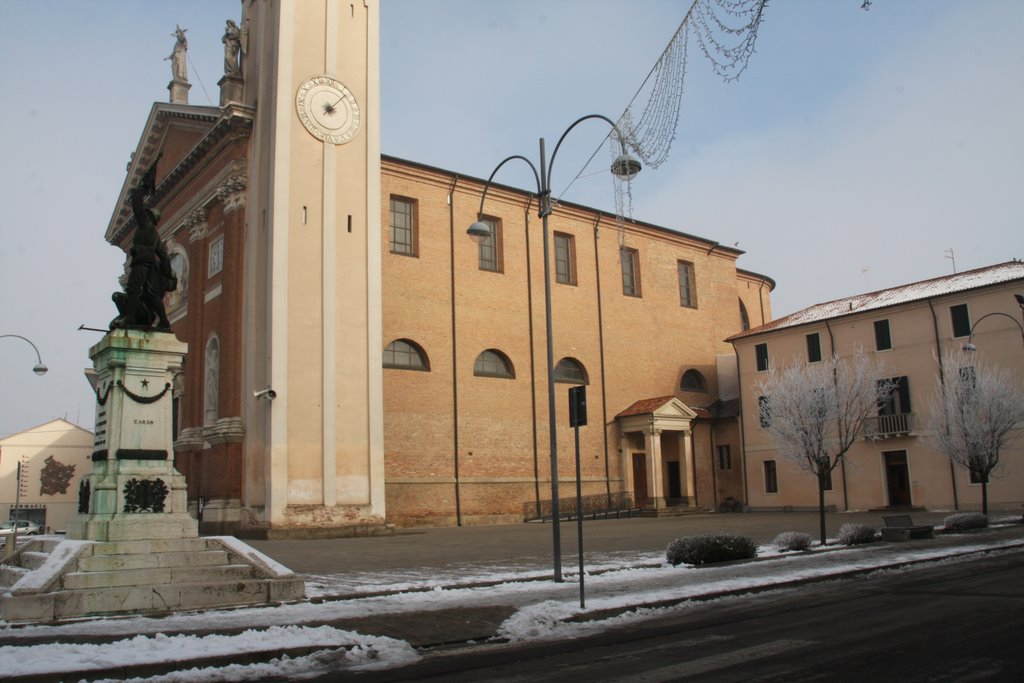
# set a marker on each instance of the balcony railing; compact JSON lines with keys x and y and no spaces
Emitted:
{"x":889,"y":426}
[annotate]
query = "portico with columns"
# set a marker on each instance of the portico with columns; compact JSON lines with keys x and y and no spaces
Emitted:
{"x":656,"y":446}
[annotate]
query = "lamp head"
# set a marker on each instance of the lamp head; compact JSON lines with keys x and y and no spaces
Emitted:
{"x":970,"y":347}
{"x":625,"y":167}
{"x":40,"y":369}
{"x":479,"y":231}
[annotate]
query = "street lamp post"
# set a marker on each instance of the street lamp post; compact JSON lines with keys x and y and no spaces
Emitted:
{"x":39,"y":368}
{"x":624,"y":167}
{"x":969,"y":346}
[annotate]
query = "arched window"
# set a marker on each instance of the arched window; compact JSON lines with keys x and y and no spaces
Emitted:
{"x":211,"y":380}
{"x":493,"y":363}
{"x":744,"y":318}
{"x":693,"y":381}
{"x":570,"y":371}
{"x":403,"y":354}
{"x":176,"y":300}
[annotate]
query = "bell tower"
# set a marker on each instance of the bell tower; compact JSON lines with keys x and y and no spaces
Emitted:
{"x":314,"y":452}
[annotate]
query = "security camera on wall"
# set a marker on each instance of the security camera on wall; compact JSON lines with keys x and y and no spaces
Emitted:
{"x":267,"y":393}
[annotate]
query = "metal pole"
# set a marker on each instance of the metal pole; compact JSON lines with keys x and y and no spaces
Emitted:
{"x":556,"y":532}
{"x":579,"y":518}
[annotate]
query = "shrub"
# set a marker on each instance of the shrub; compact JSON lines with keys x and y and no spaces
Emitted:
{"x":854,"y":534}
{"x":710,"y":548}
{"x":792,"y":540}
{"x":965,"y":521}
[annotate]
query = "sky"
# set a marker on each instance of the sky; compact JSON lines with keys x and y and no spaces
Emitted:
{"x":859,"y":150}
{"x":542,"y":610}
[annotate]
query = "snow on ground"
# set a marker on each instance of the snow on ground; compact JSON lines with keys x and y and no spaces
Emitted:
{"x":614,"y":581}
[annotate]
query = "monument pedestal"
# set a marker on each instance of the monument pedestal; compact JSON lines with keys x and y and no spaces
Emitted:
{"x":178,"y":90}
{"x":231,"y":87}
{"x":133,"y":547}
{"x":133,"y":491}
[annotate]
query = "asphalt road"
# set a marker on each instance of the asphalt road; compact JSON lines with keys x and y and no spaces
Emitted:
{"x":955,"y":621}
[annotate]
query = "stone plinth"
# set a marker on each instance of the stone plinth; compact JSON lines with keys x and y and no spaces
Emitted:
{"x":133,"y":491}
{"x":178,"y":90}
{"x":230,"y":89}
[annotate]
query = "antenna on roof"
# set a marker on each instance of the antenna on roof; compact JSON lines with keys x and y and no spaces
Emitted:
{"x":951,"y":257}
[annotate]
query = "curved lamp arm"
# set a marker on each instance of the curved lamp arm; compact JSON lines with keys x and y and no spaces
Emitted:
{"x":479,"y":229}
{"x":39,"y":369}
{"x":625,"y":167}
{"x":969,"y":346}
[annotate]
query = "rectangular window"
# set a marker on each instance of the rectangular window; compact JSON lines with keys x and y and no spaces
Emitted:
{"x":828,"y":480}
{"x":403,"y":226}
{"x":490,"y":246}
{"x":687,"y":285}
{"x":961,"y":320}
{"x":630,"y":260}
{"x":761,"y":354}
{"x":724,"y":458}
{"x":813,"y":348}
{"x":771,"y":477}
{"x":216,"y":257}
{"x":565,"y":259}
{"x":764,"y":412}
{"x":883,"y":337}
{"x":899,"y":402}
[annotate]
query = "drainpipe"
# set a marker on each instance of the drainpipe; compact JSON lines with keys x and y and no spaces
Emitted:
{"x":714,"y":468}
{"x":600,"y":344}
{"x":842,"y":463}
{"x":533,"y":363}
{"x":743,"y":432}
{"x":455,"y":364}
{"x":942,"y":381}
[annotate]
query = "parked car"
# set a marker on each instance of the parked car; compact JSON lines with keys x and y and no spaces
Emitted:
{"x":25,"y":528}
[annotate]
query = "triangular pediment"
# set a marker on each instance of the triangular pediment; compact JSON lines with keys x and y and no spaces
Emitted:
{"x":665,"y":412}
{"x":184,"y":134}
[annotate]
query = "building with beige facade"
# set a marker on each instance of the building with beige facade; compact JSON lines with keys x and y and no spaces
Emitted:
{"x":356,"y":360}
{"x":908,"y":328}
{"x":51,"y":458}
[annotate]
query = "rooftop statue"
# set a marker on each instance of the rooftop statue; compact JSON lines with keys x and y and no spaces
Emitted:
{"x":179,"y":62}
{"x":232,"y":46}
{"x":150,"y":277}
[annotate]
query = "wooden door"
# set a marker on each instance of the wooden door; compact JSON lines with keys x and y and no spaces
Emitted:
{"x":640,"y":479}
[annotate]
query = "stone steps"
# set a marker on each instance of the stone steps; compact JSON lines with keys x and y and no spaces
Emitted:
{"x":94,"y":578}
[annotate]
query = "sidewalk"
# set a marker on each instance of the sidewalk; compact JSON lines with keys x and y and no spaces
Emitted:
{"x":435,"y":587}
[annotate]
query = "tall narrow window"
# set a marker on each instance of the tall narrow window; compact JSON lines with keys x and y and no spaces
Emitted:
{"x":771,"y":477}
{"x":216,"y":257}
{"x":403,"y":226}
{"x":211,"y":381}
{"x":764,"y":412}
{"x":883,"y":336}
{"x":761,"y":356}
{"x":961,"y":319}
{"x":687,"y":285}
{"x":744,"y":318}
{"x":490,"y":247}
{"x":565,"y":259}
{"x":630,"y":260}
{"x":813,"y":347}
{"x":899,"y":402}
{"x":724,"y":458}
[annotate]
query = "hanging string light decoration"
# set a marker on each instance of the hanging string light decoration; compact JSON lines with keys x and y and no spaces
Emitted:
{"x":725,"y":31}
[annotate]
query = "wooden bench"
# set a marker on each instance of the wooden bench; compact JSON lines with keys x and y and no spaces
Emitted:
{"x":902,"y":528}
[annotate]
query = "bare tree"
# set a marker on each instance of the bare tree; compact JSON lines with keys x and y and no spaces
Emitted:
{"x":816,"y":411}
{"x":974,"y":412}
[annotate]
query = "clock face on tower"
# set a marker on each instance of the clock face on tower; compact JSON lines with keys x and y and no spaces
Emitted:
{"x":327,"y":109}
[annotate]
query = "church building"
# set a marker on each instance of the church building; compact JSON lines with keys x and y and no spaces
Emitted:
{"x":356,"y":360}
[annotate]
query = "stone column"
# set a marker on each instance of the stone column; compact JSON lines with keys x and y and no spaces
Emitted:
{"x":655,"y":477}
{"x":686,"y":451}
{"x":133,"y":491}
